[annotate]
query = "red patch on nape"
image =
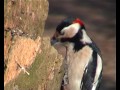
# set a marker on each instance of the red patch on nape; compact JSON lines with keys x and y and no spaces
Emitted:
{"x":78,"y":21}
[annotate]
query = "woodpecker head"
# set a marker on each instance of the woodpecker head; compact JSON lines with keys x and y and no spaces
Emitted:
{"x":71,"y":31}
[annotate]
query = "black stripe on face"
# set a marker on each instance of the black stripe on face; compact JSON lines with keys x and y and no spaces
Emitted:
{"x":75,"y":40}
{"x":89,"y":73}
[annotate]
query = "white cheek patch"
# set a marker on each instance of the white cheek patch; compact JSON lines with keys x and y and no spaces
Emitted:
{"x":70,"y":31}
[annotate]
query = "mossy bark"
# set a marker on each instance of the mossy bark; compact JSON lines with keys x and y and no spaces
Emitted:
{"x":45,"y":73}
{"x":31,"y":63}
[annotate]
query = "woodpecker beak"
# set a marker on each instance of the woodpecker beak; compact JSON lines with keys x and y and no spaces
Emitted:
{"x":54,"y":39}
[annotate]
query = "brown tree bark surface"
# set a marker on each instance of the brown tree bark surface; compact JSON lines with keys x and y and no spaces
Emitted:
{"x":30,"y":63}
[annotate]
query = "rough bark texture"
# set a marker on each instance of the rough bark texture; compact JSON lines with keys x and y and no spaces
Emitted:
{"x":30,"y":62}
{"x":26,"y":15}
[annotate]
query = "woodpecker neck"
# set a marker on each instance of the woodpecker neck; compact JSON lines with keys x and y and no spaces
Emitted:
{"x":74,"y":47}
{"x":82,"y":41}
{"x":78,"y":45}
{"x":78,"y":41}
{"x":85,"y":38}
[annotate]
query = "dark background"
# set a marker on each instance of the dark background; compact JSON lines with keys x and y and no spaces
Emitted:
{"x":99,"y":17}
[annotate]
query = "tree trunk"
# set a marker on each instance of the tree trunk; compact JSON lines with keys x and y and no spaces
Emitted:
{"x":30,"y":62}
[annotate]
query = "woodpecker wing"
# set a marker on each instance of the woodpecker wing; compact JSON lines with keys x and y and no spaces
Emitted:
{"x":92,"y":73}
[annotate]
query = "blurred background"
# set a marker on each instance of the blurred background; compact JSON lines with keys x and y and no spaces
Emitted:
{"x":99,"y":17}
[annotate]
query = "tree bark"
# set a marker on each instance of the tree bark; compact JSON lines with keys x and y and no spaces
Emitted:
{"x":30,"y":62}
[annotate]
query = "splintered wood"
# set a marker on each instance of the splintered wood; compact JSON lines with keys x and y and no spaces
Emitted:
{"x":21,"y":56}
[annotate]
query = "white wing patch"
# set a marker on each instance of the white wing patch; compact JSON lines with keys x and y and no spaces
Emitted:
{"x":99,"y":68}
{"x":98,"y":71}
{"x":94,"y":85}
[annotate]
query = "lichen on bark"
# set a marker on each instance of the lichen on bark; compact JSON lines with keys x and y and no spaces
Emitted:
{"x":45,"y":73}
{"x":31,"y":63}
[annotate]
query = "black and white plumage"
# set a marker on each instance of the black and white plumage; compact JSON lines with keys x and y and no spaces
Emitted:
{"x":84,"y":62}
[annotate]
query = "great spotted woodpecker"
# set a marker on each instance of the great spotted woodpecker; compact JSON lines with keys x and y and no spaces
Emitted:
{"x":84,"y":62}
